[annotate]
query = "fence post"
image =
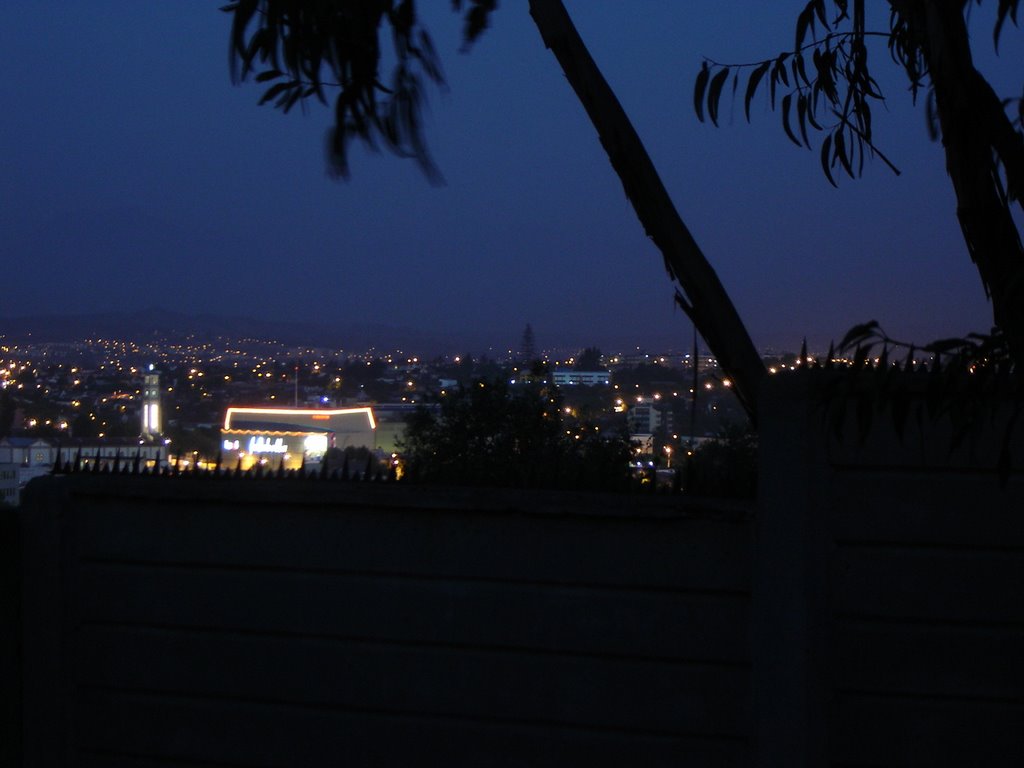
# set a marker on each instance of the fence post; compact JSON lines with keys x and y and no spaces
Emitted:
{"x":789,"y":609}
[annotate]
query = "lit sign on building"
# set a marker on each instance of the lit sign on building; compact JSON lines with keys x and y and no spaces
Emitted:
{"x":292,"y":449}
{"x":260,"y":444}
{"x":315,"y":444}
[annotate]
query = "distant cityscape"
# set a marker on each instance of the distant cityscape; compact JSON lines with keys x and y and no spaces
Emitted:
{"x":165,"y":401}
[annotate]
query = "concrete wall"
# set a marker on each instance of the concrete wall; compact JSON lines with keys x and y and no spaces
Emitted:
{"x":275,"y":622}
{"x":888,"y":602}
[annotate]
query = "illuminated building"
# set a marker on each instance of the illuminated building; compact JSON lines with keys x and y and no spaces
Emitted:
{"x":21,"y":459}
{"x":644,"y":418}
{"x":151,"y":411}
{"x":291,"y":437}
{"x":566,"y":376}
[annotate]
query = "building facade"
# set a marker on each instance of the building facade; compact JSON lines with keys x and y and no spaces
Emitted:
{"x":21,"y":459}
{"x":569,"y":376}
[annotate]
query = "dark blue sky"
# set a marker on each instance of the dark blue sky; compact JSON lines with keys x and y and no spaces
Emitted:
{"x":135,"y":175}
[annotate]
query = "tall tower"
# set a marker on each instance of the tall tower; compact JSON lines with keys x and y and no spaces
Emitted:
{"x":151,"y":404}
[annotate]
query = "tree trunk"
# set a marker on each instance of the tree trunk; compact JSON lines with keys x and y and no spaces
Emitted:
{"x":974,"y":125}
{"x":706,"y":302}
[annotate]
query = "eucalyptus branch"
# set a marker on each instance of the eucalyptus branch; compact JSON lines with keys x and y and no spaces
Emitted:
{"x":813,"y":44}
{"x":870,"y":145}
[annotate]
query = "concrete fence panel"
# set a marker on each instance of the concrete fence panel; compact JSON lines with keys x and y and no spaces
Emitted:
{"x":254,"y":624}
{"x":888,"y":588}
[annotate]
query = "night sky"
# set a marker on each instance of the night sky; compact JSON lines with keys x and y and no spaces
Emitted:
{"x":135,"y":175}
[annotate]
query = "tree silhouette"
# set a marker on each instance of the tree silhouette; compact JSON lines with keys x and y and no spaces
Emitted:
{"x":589,"y":359}
{"x":303,"y":47}
{"x":491,"y":434}
{"x":527,"y":346}
{"x":825,"y":85}
{"x":7,"y":409}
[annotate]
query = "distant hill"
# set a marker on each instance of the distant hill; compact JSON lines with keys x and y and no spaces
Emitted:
{"x":171,"y":327}
{"x":166,"y":326}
